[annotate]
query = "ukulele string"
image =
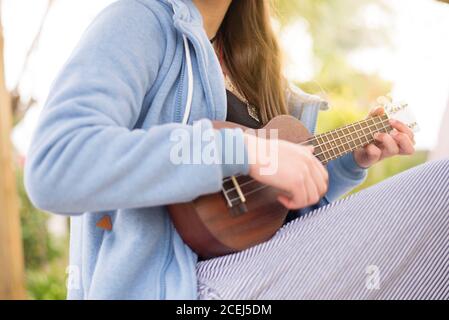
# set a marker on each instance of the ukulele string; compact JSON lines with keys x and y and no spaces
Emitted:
{"x":227,"y":191}
{"x":383,"y":123}
{"x":307,"y":142}
{"x":265,"y":186}
{"x":385,"y":127}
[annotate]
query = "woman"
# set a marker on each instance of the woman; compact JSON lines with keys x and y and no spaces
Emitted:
{"x":101,"y":153}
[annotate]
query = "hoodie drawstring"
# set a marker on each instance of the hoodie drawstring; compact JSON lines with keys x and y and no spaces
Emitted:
{"x":188,"y":106}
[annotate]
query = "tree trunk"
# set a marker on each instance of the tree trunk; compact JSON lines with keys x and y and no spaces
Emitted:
{"x":11,"y":252}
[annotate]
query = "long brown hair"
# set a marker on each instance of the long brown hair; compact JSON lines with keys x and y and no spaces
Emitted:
{"x":252,"y":56}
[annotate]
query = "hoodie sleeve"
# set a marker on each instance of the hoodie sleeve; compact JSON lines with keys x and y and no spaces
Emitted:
{"x":84,"y":155}
{"x":344,"y":175}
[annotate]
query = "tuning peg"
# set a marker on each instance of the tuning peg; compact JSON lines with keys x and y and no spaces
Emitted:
{"x":383,"y":100}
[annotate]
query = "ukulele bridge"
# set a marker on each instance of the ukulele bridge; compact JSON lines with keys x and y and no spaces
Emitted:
{"x":237,"y":205}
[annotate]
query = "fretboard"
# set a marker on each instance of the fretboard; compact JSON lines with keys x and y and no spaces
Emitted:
{"x":336,"y":143}
{"x":328,"y":146}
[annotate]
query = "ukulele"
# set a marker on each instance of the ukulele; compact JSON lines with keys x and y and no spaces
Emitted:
{"x":246,"y":213}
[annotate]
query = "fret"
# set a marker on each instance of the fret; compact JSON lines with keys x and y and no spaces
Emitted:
{"x":320,"y":157}
{"x":366,"y":139}
{"x":354,"y":134}
{"x":237,"y":188}
{"x":233,"y":188}
{"x":347,"y":146}
{"x":366,"y":133}
{"x":353,"y":144}
{"x":343,"y":142}
{"x":371,"y":128}
{"x":387,"y":127}
{"x":319,"y":150}
{"x":331,"y":144}
{"x":325,"y":145}
{"x":362,"y":134}
{"x":228,"y":200}
{"x":379,"y":126}
{"x":359,"y":132}
{"x":336,"y":143}
{"x":321,"y":143}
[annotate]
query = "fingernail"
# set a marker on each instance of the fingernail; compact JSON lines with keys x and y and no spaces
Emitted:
{"x":393,"y":121}
{"x":376,"y":136}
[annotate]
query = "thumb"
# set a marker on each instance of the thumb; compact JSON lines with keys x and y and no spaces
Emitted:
{"x":377,"y":111}
{"x":310,"y":148}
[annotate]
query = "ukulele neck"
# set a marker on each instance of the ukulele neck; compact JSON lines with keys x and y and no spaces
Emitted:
{"x":336,"y":143}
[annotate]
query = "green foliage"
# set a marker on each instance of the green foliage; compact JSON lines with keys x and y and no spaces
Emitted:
{"x":45,"y":256}
{"x":48,"y":283}
{"x":338,"y":28}
{"x":38,"y":245}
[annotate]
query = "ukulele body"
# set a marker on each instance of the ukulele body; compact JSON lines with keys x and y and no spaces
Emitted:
{"x":212,"y":228}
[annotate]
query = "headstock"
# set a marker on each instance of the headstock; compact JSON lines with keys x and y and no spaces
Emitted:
{"x":399,"y":111}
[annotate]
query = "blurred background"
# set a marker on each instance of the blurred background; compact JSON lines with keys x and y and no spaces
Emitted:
{"x":348,"y":51}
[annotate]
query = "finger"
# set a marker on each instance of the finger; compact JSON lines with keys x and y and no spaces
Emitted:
{"x":401,"y":127}
{"x":373,"y":153}
{"x":297,"y":198}
{"x":322,"y":177}
{"x":310,"y":148}
{"x":377,"y":111}
{"x":404,"y":143}
{"x":318,"y":166}
{"x":323,"y":171}
{"x":290,"y":203}
{"x":318,"y":187}
{"x":297,"y":194}
{"x":313,"y":194}
{"x":388,"y":146}
{"x":286,"y":202}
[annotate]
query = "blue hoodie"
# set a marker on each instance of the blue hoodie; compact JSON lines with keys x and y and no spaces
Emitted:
{"x":102,"y":147}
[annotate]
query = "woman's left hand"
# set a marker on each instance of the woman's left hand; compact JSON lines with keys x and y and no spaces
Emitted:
{"x":400,"y":141}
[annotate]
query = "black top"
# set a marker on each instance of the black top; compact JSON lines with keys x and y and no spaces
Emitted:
{"x":238,"y":112}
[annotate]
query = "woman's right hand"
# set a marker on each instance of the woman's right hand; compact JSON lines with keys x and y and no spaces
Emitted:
{"x":302,"y":179}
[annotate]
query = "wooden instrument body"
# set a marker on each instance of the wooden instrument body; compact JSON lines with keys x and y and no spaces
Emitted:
{"x":208,"y":224}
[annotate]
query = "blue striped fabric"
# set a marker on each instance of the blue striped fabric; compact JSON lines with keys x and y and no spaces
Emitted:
{"x":389,"y":241}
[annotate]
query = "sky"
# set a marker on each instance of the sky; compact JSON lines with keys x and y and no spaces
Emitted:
{"x":417,"y":64}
